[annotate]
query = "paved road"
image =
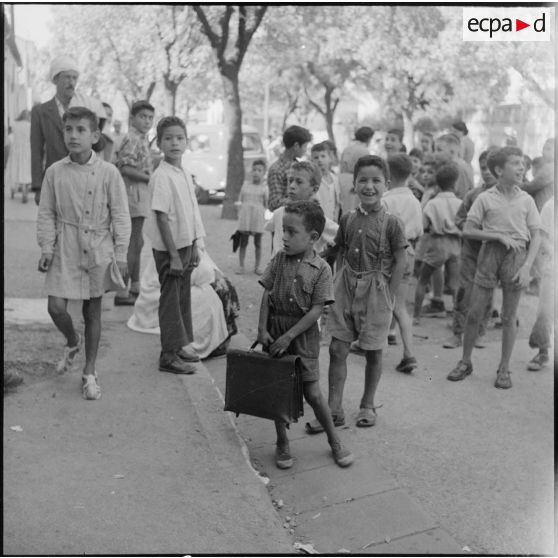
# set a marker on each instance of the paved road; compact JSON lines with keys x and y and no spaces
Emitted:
{"x":478,"y":460}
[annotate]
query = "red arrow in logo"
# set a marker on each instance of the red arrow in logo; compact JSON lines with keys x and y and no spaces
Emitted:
{"x":519,"y":25}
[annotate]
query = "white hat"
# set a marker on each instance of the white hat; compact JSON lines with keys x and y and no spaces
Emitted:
{"x":62,"y":64}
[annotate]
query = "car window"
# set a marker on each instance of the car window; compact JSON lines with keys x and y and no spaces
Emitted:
{"x":199,"y":143}
{"x":251,"y":142}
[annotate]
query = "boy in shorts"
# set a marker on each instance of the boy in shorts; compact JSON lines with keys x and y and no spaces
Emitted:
{"x":135,"y":165}
{"x":298,"y":285}
{"x":442,"y":246}
{"x":506,"y":219}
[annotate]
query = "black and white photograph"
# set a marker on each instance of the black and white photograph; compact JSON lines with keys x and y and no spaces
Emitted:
{"x":279,"y":279}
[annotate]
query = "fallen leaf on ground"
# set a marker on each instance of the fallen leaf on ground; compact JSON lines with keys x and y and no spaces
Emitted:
{"x":16,"y":428}
{"x":308,"y":548}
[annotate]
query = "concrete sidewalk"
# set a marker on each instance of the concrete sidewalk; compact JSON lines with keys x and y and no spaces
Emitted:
{"x":361,"y":509}
{"x":154,"y":467}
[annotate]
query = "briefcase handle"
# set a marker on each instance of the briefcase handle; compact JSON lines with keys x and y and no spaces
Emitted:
{"x":254,"y":345}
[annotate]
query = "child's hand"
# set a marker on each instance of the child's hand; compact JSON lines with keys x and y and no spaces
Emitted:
{"x":123,"y":268}
{"x":280,"y":346}
{"x":509,"y":242}
{"x":194,"y":257}
{"x":44,"y":263}
{"x":265,"y":339}
{"x":522,"y":277}
{"x":176,"y":268}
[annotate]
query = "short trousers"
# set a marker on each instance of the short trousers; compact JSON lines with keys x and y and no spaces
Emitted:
{"x":497,"y":263}
{"x":139,"y":199}
{"x":306,"y":345}
{"x":439,"y":249}
{"x":362,"y":310}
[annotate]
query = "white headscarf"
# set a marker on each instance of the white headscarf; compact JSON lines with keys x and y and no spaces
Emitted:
{"x":62,"y":63}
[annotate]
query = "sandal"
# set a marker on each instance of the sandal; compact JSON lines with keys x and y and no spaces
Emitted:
{"x":90,"y":387}
{"x":366,"y":418}
{"x":314,"y":427}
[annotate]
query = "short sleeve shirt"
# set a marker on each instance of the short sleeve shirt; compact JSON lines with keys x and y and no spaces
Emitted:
{"x":403,"y":203}
{"x":440,"y":213}
{"x":494,"y":212}
{"x":359,"y":237}
{"x":174,"y":194}
{"x":297,"y":283}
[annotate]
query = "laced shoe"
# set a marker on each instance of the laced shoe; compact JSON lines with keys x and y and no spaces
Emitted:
{"x":538,"y":362}
{"x":67,"y":360}
{"x":460,"y":372}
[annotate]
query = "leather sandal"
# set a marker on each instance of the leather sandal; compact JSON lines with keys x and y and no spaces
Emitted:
{"x":314,"y":426}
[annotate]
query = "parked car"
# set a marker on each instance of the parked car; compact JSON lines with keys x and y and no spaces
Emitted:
{"x":206,"y":157}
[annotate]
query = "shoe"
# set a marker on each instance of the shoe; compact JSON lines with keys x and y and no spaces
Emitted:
{"x":435,"y":309}
{"x":70,"y":353}
{"x":283,"y":458}
{"x":315,"y":427}
{"x":503,"y":380}
{"x":460,"y":372}
{"x":240,"y":271}
{"x":12,"y":380}
{"x":392,"y":339}
{"x":187,"y":355}
{"x":538,"y":362}
{"x":453,"y":342}
{"x":366,"y":418}
{"x":342,"y":456}
{"x":258,"y":271}
{"x":129,"y":300}
{"x":177,"y":366}
{"x":90,"y":389}
{"x":407,"y":365}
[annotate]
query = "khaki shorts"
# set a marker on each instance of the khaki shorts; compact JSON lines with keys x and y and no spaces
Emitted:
{"x":139,"y":199}
{"x":362,"y":310}
{"x":497,"y":263}
{"x":438,"y":249}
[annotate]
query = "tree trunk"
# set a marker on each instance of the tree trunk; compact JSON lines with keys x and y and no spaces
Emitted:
{"x":408,"y":129}
{"x":235,"y":165}
{"x":329,"y":114}
{"x":171,"y":89}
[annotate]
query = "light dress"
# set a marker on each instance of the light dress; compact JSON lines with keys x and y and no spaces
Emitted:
{"x":208,"y":317}
{"x":18,"y":169}
{"x":252,"y":211}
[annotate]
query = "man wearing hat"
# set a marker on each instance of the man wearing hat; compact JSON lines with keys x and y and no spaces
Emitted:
{"x":47,"y":134}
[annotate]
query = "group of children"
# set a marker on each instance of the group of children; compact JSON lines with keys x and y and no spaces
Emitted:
{"x":86,"y":216}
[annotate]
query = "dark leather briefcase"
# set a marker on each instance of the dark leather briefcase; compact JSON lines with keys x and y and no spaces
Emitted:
{"x":263,"y":386}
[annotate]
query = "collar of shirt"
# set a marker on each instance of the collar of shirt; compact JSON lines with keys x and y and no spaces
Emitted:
{"x":446,"y":195}
{"x":166,"y":165}
{"x":92,"y":160}
{"x":312,"y":259}
{"x":515,"y":191}
{"x":364,"y":212}
{"x":398,"y":190}
{"x":135,"y":132}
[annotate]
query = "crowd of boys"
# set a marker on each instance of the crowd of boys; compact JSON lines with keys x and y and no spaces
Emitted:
{"x":344,"y":253}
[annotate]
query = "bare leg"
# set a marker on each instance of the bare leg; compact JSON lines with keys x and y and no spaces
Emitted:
{"x":313,"y":395}
{"x":426,"y":272}
{"x":281,"y":429}
{"x":338,"y":352}
{"x":479,"y":299}
{"x":510,"y":303}
{"x":92,"y":317}
{"x":372,"y":374}
{"x":401,"y":315}
{"x":438,"y":284}
{"x":258,"y":249}
{"x":57,"y":308}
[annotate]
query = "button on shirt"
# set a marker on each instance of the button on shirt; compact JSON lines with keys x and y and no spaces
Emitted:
{"x":174,"y":194}
{"x":402,"y":203}
{"x":513,"y":216}
{"x":297,"y":283}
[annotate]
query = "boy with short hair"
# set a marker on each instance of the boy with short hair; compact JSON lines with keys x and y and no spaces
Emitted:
{"x":83,"y":229}
{"x":135,"y":165}
{"x":400,"y":201}
{"x":443,"y":243}
{"x":393,"y":142}
{"x":174,"y":228}
{"x":372,"y":243}
{"x":304,"y":180}
{"x":450,"y":144}
{"x":506,"y":220}
{"x":413,"y":183}
{"x":468,"y":261}
{"x":298,"y":285}
{"x":328,"y":192}
{"x":295,"y":140}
